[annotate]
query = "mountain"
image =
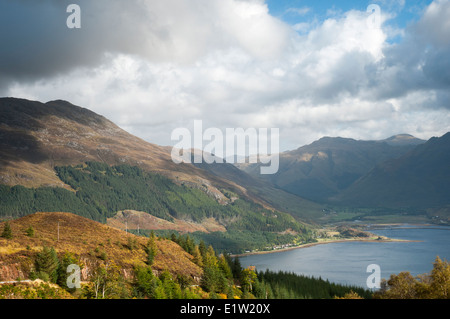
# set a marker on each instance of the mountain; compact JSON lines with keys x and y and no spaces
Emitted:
{"x":35,"y":137}
{"x":89,"y":242}
{"x":57,"y":156}
{"x":403,"y":139}
{"x":329,"y":165}
{"x":419,"y":178}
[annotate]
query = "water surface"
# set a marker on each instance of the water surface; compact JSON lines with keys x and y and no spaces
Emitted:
{"x":346,"y":263}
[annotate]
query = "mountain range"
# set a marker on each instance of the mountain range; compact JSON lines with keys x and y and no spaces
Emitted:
{"x":57,"y":156}
{"x":35,"y":137}
{"x":418,"y":179}
{"x":326,"y":167}
{"x":400,"y":172}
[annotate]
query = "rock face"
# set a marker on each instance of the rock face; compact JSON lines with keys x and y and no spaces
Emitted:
{"x":12,"y":272}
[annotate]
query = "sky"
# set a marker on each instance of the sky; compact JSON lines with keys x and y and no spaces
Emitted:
{"x":358,"y":69}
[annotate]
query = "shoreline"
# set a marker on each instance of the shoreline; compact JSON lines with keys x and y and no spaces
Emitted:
{"x":354,"y":239}
{"x":357,"y":239}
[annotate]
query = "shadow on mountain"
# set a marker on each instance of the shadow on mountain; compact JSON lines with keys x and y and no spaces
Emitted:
{"x":17,"y":145}
{"x":18,"y":118}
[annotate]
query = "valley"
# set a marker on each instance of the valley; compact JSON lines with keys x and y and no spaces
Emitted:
{"x":89,"y":189}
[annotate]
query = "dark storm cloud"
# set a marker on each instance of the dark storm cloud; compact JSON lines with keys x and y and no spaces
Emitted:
{"x":36,"y":42}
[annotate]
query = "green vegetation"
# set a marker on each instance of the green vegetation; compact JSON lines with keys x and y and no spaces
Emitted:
{"x":151,"y":249}
{"x":435,"y":285}
{"x":46,"y":265}
{"x":102,"y":190}
{"x":29,"y":231}
{"x":41,"y":291}
{"x":222,"y":277}
{"x":234,"y":241}
{"x":18,"y":201}
{"x":334,"y":214}
{"x":7,"y":232}
{"x":288,"y":285}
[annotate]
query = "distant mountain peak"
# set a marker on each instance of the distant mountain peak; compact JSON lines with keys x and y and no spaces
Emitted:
{"x":403,"y":139}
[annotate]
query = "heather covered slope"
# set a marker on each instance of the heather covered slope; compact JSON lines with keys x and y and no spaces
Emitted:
{"x":89,"y":241}
{"x":56,"y":157}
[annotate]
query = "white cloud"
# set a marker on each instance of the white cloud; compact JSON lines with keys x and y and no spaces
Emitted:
{"x":231,"y":64}
{"x":298,"y":11}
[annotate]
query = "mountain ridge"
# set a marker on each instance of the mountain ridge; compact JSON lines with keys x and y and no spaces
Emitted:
{"x":55,"y":151}
{"x":419,"y":178}
{"x":325,"y":167}
{"x":35,"y":137}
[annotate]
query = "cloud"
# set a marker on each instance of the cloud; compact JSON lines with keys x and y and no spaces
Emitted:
{"x":417,"y":63}
{"x":153,"y":66}
{"x":40,"y":43}
{"x":298,"y":11}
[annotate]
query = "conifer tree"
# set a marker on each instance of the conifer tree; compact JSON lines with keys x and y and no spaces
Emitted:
{"x":151,"y":249}
{"x":7,"y":232}
{"x":197,"y":256}
{"x":47,"y":264}
{"x":29,"y":231}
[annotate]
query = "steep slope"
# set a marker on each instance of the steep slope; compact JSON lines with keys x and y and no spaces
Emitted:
{"x":325,"y":167}
{"x":89,"y":241}
{"x":263,"y":189}
{"x":419,"y":179}
{"x":35,"y":137}
{"x":53,"y":157}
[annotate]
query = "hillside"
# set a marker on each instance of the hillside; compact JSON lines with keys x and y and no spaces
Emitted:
{"x":329,"y":165}
{"x":419,"y":178}
{"x":35,"y":137}
{"x":89,"y":241}
{"x":259,"y":186}
{"x":115,"y":265}
{"x":56,"y":156}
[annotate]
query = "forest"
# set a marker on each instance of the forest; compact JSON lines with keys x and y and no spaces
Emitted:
{"x":222,"y":277}
{"x":100,"y":191}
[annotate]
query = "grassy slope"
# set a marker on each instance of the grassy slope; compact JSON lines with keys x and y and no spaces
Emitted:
{"x":87,"y":239}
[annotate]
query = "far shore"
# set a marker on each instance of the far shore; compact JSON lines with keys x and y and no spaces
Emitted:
{"x":341,"y":240}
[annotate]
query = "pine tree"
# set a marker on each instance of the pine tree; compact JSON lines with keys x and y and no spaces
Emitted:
{"x":145,"y":282}
{"x":151,"y":249}
{"x":171,"y":288}
{"x":198,"y":259}
{"x":29,"y":231}
{"x":67,"y":260}
{"x":224,"y":267}
{"x":7,"y":232}
{"x":47,"y":264}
